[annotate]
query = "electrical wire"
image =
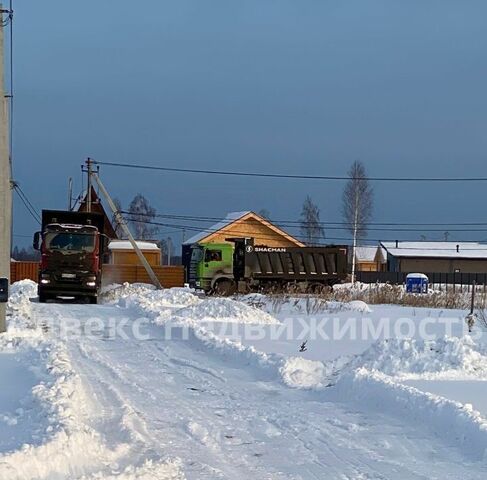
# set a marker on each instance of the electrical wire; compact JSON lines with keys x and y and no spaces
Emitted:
{"x":17,"y":186}
{"x":291,"y":224}
{"x":298,"y":237}
{"x":289,"y":176}
{"x":28,"y":205}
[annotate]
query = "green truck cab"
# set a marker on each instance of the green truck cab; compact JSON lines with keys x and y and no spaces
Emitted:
{"x":211,"y":268}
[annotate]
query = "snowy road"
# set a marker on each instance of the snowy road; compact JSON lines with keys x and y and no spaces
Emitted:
{"x":156,"y":399}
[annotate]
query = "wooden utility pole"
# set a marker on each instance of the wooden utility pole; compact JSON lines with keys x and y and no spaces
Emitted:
{"x":5,"y":186}
{"x":121,"y":221}
{"x":89,"y":165}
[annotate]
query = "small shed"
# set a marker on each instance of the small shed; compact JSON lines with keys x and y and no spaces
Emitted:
{"x":370,"y":258}
{"x":122,"y":252}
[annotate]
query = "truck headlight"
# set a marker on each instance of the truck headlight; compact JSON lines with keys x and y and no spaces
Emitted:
{"x":91,"y":284}
{"x":45,"y":281}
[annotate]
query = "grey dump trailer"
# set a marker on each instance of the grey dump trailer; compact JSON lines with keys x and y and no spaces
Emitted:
{"x":305,"y":268}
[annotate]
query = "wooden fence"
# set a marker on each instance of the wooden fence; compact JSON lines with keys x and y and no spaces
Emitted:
{"x":168,"y":276}
{"x":23,"y":270}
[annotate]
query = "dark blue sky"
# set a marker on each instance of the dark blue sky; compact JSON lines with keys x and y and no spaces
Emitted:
{"x":260,"y":85}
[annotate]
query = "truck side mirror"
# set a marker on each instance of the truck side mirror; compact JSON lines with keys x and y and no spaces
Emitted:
{"x":36,"y":243}
{"x":3,"y":290}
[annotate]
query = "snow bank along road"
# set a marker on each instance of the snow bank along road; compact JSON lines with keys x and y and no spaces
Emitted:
{"x":124,"y":407}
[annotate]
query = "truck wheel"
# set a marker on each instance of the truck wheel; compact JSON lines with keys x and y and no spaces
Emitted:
{"x":225,"y":287}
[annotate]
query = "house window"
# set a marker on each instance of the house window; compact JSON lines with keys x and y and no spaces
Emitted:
{"x":213,"y":256}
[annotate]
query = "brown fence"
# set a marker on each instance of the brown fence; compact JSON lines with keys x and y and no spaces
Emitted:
{"x":23,"y":270}
{"x":168,"y":276}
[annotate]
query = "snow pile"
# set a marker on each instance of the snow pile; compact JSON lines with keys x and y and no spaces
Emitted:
{"x":150,"y":470}
{"x":236,"y":352}
{"x":305,"y":304}
{"x":298,"y":372}
{"x":184,"y":306}
{"x":224,"y":310}
{"x":19,"y":306}
{"x":353,"y":306}
{"x":447,"y":356}
{"x":457,"y":423}
{"x":358,"y":306}
{"x":160,"y":302}
{"x":147,"y":299}
{"x":22,"y":291}
{"x":114,"y":292}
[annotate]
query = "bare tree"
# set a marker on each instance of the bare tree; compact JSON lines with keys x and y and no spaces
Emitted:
{"x":140,"y":216}
{"x":311,"y":228}
{"x":357,"y":205}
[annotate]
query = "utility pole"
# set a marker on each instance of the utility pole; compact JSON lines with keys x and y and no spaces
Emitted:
{"x":70,"y":194}
{"x":355,"y":226}
{"x":88,"y":195}
{"x":5,"y":186}
{"x":120,"y":220}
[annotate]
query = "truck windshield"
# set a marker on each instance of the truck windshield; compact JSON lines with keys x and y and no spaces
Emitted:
{"x":197,"y":255}
{"x":70,"y":242}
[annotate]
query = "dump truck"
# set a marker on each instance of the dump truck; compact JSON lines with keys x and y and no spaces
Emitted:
{"x":241,"y":266}
{"x":72,"y":246}
{"x":211,"y":267}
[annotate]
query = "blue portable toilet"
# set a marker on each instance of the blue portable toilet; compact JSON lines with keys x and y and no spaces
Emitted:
{"x":417,"y":283}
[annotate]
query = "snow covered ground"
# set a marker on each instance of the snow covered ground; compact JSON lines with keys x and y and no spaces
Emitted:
{"x":169,"y":385}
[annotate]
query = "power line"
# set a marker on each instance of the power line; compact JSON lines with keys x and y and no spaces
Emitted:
{"x":269,"y":237}
{"x":288,"y":176}
{"x":27,"y":204}
{"x":17,"y":186}
{"x":291,"y":224}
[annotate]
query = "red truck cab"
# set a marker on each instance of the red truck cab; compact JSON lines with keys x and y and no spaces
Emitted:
{"x":71,"y":258}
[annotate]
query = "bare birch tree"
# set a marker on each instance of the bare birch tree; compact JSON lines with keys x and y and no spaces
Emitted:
{"x":357,"y":205}
{"x":311,"y":228}
{"x":140,"y":215}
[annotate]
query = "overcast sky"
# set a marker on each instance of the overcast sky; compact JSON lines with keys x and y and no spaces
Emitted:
{"x":285,"y":86}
